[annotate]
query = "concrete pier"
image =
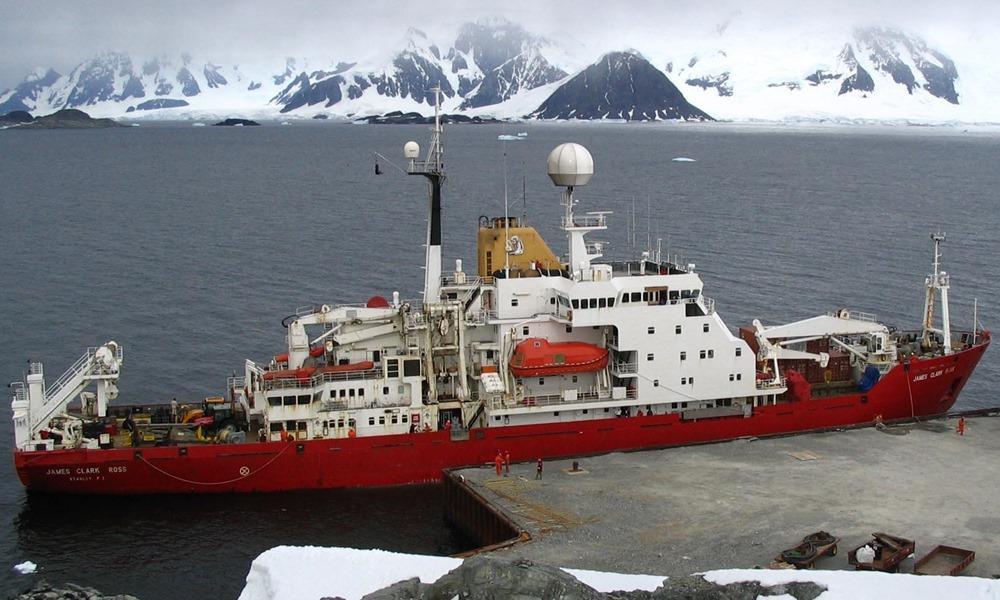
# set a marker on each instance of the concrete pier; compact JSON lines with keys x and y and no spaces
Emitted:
{"x":738,"y":504}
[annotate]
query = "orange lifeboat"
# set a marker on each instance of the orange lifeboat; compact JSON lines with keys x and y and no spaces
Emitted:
{"x":313,"y":352}
{"x":302,"y":374}
{"x":365,"y":365}
{"x":537,"y":357}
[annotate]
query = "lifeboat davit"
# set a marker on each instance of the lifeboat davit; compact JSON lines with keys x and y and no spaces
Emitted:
{"x":537,"y":357}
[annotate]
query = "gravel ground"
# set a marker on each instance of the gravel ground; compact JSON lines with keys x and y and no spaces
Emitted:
{"x":738,"y":504}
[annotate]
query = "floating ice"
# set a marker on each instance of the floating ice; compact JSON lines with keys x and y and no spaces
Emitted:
{"x":26,"y":568}
{"x":684,"y":159}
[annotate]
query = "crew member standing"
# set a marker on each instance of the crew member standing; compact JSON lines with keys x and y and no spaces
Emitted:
{"x":538,"y":469}
{"x":961,"y":426}
{"x":173,"y":410}
{"x":498,"y":461}
{"x":506,"y":463}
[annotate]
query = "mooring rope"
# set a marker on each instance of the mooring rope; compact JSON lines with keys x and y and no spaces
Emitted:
{"x":192,"y":482}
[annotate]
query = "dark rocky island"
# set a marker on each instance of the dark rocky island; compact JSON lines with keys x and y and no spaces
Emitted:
{"x":158,"y":103}
{"x":412,"y":118}
{"x":16,"y":117}
{"x":622,"y":85}
{"x":236,"y":123}
{"x":67,"y":118}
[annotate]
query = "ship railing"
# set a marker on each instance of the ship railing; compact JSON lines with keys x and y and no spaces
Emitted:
{"x":295,"y":383}
{"x":35,"y":368}
{"x":624,"y":367}
{"x":709,"y":304}
{"x":588,"y":220}
{"x":553,"y":399}
{"x":20,"y":392}
{"x":768,"y":384}
{"x":467,"y":281}
{"x":857,"y":315}
{"x":415,"y":319}
{"x":236,"y":383}
{"x":595,"y":247}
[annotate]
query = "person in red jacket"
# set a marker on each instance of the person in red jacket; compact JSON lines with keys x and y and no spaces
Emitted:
{"x":538,"y":469}
{"x":506,"y":463}
{"x":498,"y":461}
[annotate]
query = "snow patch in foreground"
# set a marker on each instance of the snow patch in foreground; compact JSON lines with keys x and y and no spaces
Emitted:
{"x":26,"y":568}
{"x":684,"y":159}
{"x":291,"y":573}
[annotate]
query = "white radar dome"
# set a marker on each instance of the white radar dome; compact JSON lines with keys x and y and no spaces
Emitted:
{"x":570,"y":165}
{"x":411,"y":150}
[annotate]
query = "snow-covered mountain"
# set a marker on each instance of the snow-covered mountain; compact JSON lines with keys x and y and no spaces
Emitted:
{"x":621,"y":85}
{"x":736,"y":70}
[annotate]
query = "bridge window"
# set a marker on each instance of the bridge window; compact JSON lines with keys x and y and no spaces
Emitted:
{"x":593,"y":303}
{"x":684,"y":355}
{"x":625,"y":297}
{"x":636,"y":296}
{"x":274,"y":401}
{"x":651,"y":330}
{"x":513,"y":301}
{"x":684,"y":381}
{"x":649,"y":356}
{"x":276,"y":427}
{"x":711,"y":353}
{"x":677,"y":329}
{"x":525,"y":330}
{"x":411,"y":368}
{"x":381,"y":420}
{"x":739,"y":351}
{"x":705,"y":327}
{"x":701,"y":354}
{"x":602,"y":303}
{"x":739,"y":376}
{"x":395,"y":419}
{"x":371,"y":420}
{"x":288,"y":401}
{"x":304,"y":399}
{"x":576,"y":303}
{"x":732,"y":377}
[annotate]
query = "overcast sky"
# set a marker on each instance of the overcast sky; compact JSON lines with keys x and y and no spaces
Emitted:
{"x":60,"y":33}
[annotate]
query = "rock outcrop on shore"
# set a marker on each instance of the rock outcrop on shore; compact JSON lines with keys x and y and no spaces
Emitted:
{"x":489,"y":577}
{"x":70,"y":591}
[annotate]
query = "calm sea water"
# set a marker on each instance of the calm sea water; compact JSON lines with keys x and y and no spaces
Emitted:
{"x":188,"y":246}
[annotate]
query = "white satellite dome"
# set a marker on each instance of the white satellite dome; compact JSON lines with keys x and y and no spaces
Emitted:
{"x":570,"y":165}
{"x":411,"y":149}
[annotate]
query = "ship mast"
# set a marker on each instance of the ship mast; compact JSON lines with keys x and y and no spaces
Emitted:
{"x":937,"y":281}
{"x":432,"y":167}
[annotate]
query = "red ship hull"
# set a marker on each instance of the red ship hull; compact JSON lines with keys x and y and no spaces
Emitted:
{"x":921,"y":389}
